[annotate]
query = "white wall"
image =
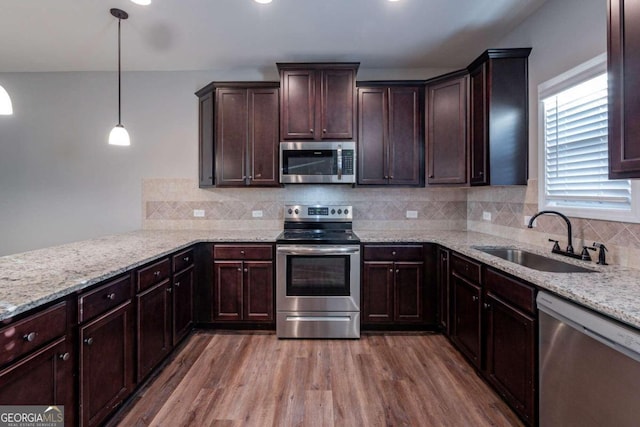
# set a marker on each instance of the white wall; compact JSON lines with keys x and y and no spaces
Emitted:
{"x":563,"y":34}
{"x":61,"y":182}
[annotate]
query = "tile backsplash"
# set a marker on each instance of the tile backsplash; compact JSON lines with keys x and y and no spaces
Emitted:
{"x":170,"y":204}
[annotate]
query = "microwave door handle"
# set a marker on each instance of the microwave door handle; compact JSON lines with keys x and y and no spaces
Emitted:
{"x":339,"y":162}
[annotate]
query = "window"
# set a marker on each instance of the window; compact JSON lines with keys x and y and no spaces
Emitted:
{"x":573,"y":149}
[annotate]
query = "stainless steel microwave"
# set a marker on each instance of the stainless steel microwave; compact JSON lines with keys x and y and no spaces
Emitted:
{"x":326,"y":162}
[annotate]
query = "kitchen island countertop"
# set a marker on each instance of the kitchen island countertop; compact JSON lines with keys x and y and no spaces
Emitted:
{"x":31,"y":279}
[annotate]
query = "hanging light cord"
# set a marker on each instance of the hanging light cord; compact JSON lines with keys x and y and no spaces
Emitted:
{"x":119,"y":90}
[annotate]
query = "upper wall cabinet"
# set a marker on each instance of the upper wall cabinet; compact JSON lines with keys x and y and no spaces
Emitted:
{"x":239,"y":134}
{"x":447,"y":140}
{"x":499,"y":119}
{"x":624,"y":86}
{"x":317,"y":100}
{"x":390,"y":142}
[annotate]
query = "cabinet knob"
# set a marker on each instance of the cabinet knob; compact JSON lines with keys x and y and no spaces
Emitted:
{"x":391,"y":270}
{"x":242,"y":252}
{"x":474,"y":298}
{"x":239,"y":269}
{"x":111,"y":296}
{"x":169,"y":290}
{"x":431,"y":176}
{"x":486,"y":305}
{"x":386,"y":177}
{"x":88,"y":341}
{"x":258,"y":175}
{"x":30,"y":337}
{"x":480,"y":173}
{"x":156,"y":273}
{"x":177,"y":284}
{"x":393,"y":252}
{"x":397,"y":271}
{"x":324,"y":131}
{"x":64,"y":356}
{"x":185,"y":259}
{"x":246,"y":270}
{"x":390,"y":176}
{"x":311,"y":130}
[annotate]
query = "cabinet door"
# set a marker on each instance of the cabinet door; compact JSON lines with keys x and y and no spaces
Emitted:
{"x":263,"y":136}
{"x":182,"y":304}
{"x":42,"y":378}
{"x":510,"y":350}
{"x":405,"y":148}
{"x":479,"y":126}
{"x":228,"y":290}
{"x":624,"y":79}
{"x":466,"y":327}
{"x":337,"y":104}
{"x":106,"y":363}
{"x":205,"y":140}
{"x":447,"y":132}
{"x":153,"y":327}
{"x":408,"y":292}
{"x":258,"y":291}
{"x":443,"y":289}
{"x":298,"y":104}
{"x":377,"y":292}
{"x":372,"y":136}
{"x":231,"y":136}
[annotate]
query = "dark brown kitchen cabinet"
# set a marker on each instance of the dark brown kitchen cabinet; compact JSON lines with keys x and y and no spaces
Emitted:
{"x":510,"y":340}
{"x":106,"y":363}
{"x":393,"y":284}
{"x":239,"y":134}
{"x":243,"y":283}
{"x":153,"y":316}
{"x":38,"y":359}
{"x":499,"y":120}
{"x":390,"y":142}
{"x":317,"y":100}
{"x":443,"y":289}
{"x":624,"y":86}
{"x":183,"y":283}
{"x":447,"y":137}
{"x":466,"y":293}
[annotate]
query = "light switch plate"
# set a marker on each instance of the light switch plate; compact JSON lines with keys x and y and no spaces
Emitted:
{"x":256,"y":214}
{"x":486,"y":216}
{"x":198,"y":213}
{"x":412,"y":214}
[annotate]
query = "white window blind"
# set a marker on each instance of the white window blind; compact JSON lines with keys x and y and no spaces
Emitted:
{"x":576,"y":150}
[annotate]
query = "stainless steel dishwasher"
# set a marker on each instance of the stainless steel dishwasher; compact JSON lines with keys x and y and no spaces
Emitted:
{"x":589,"y":367}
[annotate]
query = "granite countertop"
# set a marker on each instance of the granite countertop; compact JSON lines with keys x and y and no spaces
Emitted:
{"x":30,"y":279}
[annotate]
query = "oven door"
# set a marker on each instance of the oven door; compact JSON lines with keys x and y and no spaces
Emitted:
{"x":318,"y":278}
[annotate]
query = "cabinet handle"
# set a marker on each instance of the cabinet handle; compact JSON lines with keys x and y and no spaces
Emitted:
{"x":177,"y":284}
{"x":64,"y":356}
{"x":88,"y":341}
{"x":185,"y":259}
{"x":30,"y":337}
{"x":169,"y":290}
{"x":111,"y":296}
{"x":474,"y":298}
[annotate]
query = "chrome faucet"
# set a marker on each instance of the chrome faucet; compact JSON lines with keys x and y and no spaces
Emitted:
{"x":556,"y":248}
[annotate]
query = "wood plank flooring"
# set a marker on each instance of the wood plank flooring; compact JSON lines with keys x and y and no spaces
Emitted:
{"x":254,"y":379}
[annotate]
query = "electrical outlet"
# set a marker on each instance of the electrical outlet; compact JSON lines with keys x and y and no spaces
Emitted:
{"x":486,"y":216}
{"x":256,"y":214}
{"x":198,"y":213}
{"x":412,"y":214}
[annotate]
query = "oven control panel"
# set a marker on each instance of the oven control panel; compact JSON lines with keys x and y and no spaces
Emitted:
{"x":318,"y":213}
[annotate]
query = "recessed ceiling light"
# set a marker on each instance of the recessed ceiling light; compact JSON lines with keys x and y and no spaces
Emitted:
{"x":394,"y":0}
{"x":142,"y":2}
{"x":262,"y":1}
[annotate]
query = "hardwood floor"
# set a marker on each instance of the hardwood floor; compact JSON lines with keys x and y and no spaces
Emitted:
{"x":254,"y":379}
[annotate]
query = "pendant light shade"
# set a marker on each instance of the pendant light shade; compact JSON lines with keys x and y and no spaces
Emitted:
{"x":6,"y":109}
{"x":119,"y":135}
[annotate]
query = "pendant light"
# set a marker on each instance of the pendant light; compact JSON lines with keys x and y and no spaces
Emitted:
{"x":119,"y":135}
{"x":6,"y":109}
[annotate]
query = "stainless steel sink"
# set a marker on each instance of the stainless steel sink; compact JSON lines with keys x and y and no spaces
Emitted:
{"x":531,"y":260}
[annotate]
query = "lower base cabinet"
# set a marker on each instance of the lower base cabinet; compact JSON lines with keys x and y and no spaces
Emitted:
{"x":106,"y":363}
{"x":153,"y":327}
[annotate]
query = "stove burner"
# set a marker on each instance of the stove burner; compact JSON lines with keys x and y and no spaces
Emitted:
{"x":318,"y":225}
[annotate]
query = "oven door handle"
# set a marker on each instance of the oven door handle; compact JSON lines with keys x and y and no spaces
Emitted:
{"x":302,"y":250}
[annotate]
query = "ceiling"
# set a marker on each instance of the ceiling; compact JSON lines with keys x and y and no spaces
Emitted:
{"x":81,"y":35}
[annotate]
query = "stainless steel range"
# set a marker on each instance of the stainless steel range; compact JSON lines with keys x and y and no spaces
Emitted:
{"x":318,"y":274}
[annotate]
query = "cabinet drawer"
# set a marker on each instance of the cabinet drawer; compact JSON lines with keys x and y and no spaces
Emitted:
{"x":32,"y":332}
{"x":257,"y":252}
{"x":106,"y":297}
{"x":153,"y":274}
{"x":182,"y":260}
{"x":510,"y":290}
{"x":466,"y":268}
{"x":393,"y":253}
